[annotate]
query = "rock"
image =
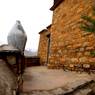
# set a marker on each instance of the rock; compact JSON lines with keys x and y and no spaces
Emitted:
{"x":85,"y":44}
{"x":74,"y":60}
{"x":7,"y":80}
{"x":81,"y":49}
{"x":90,"y":48}
{"x":36,"y":93}
{"x":87,"y":53}
{"x":84,"y":92}
{"x":46,"y":93}
{"x":83,"y":60}
{"x":57,"y":91}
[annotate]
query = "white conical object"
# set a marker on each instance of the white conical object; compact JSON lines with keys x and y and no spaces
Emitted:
{"x":17,"y":37}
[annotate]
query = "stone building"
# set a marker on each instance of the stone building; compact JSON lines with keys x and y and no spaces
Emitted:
{"x":43,"y":46}
{"x":68,"y":43}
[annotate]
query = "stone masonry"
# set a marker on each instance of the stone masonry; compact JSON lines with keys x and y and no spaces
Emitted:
{"x":8,"y":82}
{"x":43,"y":46}
{"x":69,"y":44}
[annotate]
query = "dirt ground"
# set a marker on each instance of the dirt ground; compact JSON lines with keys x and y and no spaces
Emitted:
{"x":42,"y":81}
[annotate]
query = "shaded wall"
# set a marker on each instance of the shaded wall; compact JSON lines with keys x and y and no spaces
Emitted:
{"x":43,"y":47}
{"x":32,"y":61}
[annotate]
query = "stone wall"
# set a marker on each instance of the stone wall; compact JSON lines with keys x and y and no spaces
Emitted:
{"x":7,"y":80}
{"x":32,"y":61}
{"x":69,"y":44}
{"x":43,"y":45}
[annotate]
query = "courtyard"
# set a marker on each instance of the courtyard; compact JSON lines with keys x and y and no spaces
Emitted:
{"x":40,"y":80}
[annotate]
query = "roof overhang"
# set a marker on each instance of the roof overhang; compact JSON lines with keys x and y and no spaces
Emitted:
{"x":44,"y":30}
{"x":56,"y":3}
{"x":48,"y":26}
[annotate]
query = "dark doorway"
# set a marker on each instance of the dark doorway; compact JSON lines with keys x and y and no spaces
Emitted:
{"x":48,"y":47}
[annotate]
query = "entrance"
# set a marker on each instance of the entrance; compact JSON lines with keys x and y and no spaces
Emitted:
{"x":48,"y":47}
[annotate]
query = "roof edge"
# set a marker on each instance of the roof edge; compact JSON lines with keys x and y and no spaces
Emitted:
{"x":49,"y":26}
{"x":42,"y":31}
{"x":55,"y":5}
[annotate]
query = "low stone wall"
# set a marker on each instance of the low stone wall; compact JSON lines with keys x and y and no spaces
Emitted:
{"x":32,"y":61}
{"x":7,"y":80}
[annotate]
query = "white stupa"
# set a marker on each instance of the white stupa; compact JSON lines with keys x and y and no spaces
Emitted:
{"x":17,"y":37}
